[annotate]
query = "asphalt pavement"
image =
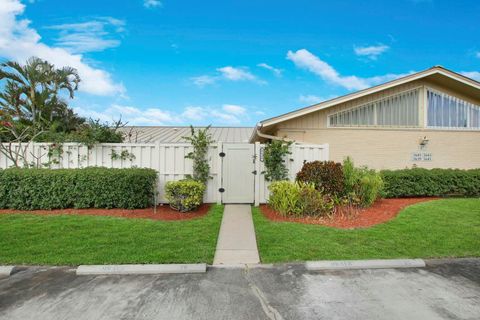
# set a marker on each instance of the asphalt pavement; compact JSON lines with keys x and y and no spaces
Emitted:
{"x":442,"y":290}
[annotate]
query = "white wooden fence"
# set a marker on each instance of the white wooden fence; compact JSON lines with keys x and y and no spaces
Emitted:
{"x":167,"y":159}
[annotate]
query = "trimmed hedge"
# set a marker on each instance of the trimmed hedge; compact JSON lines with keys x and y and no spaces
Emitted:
{"x":30,"y":189}
{"x":420,"y":182}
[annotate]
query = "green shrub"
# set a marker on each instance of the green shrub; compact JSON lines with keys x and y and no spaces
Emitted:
{"x":184,"y":195}
{"x":419,"y":182}
{"x":314,"y":203}
{"x":362,"y":185}
{"x":285,"y":197}
{"x":30,"y":189}
{"x":298,"y":199}
{"x":327,"y":176}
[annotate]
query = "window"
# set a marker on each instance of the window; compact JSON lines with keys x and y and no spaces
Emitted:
{"x":446,"y":111}
{"x":398,"y":111}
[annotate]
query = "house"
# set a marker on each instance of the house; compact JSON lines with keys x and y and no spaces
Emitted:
{"x":428,"y":119}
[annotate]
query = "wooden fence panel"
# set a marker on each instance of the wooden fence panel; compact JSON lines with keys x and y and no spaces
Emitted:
{"x":168,"y":159}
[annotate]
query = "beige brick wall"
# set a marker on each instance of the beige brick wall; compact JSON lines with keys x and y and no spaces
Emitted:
{"x":392,"y":149}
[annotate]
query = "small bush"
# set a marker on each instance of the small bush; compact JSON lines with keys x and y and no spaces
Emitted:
{"x":285,"y":197}
{"x":362,"y":185}
{"x":419,"y":182}
{"x":313,"y":203}
{"x":184,"y":195}
{"x":298,"y":199}
{"x":30,"y":189}
{"x":327,"y":176}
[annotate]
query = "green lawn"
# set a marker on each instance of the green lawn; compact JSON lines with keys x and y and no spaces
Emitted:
{"x":442,"y":228}
{"x":72,"y":240}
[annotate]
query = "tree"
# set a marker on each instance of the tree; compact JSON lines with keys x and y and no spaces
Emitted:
{"x":34,"y":108}
{"x":33,"y":93}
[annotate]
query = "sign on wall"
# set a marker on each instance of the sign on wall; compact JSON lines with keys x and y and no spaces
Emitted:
{"x":421,"y":156}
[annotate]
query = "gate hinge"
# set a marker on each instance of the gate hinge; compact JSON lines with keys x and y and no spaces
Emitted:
{"x":222,"y":154}
{"x":221,"y":190}
{"x":254,"y":172}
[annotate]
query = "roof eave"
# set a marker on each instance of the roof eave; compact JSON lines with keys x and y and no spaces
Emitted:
{"x":364,"y":92}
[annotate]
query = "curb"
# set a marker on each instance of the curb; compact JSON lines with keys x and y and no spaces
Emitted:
{"x":6,"y":270}
{"x":364,"y":264}
{"x":123,"y":269}
{"x":241,"y":266}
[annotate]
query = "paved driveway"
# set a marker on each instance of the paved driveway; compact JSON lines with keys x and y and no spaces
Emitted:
{"x":440,"y":291}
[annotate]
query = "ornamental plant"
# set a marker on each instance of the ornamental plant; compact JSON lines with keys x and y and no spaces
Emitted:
{"x":274,"y":160}
{"x":184,"y":195}
{"x":200,"y":140}
{"x":299,"y":199}
{"x":327,"y":176}
{"x":362,"y":185}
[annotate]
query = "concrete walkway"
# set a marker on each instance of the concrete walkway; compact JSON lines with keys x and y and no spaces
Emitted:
{"x":236,"y":242}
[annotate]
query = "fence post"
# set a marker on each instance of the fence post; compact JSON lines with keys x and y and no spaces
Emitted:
{"x":219,"y":172}
{"x":326,"y":151}
{"x":258,"y":175}
{"x":157,"y":158}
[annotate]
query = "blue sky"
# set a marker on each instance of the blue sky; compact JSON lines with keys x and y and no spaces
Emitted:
{"x":235,"y":62}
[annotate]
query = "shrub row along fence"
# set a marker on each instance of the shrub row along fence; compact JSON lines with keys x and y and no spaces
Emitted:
{"x":168,"y":160}
{"x":420,"y":182}
{"x":26,"y":189}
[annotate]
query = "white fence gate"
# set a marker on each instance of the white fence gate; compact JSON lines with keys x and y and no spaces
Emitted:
{"x":238,"y":174}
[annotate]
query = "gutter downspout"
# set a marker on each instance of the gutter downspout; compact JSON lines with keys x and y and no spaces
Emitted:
{"x":268,"y":136}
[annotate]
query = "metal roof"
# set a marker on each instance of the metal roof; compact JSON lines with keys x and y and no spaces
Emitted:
{"x":169,"y":134}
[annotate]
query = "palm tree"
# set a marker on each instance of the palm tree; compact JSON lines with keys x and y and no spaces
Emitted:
{"x":33,"y":91}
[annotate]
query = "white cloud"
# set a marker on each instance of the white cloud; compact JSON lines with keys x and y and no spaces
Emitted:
{"x":310,"y":99}
{"x":236,"y":74}
{"x":225,"y":118}
{"x":18,"y":41}
{"x":234,"y":109}
{"x":371,"y":52}
{"x":304,"y":59}
{"x":227,"y":73}
{"x":225,"y":114}
{"x":152,"y":3}
{"x":204,"y":80}
{"x":194,"y":113}
{"x":276,"y":72}
{"x":94,"y":35}
{"x":475,"y":75}
{"x":132,"y":115}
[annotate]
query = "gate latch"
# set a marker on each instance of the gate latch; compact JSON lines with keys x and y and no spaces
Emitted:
{"x":254,"y":171}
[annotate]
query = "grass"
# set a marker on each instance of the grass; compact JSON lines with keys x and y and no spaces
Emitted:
{"x":441,"y":228}
{"x":72,"y":240}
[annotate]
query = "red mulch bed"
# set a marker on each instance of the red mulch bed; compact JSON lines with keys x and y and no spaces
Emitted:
{"x":382,"y":211}
{"x":163,"y":212}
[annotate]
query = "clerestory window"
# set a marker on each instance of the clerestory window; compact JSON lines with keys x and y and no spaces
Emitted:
{"x":446,"y":111}
{"x":399,"y":110}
